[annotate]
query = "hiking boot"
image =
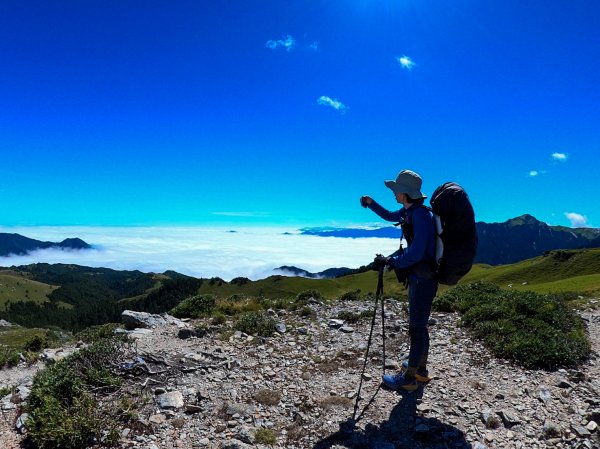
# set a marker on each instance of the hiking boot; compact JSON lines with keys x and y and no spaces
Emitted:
{"x":422,"y":375}
{"x":398,"y":382}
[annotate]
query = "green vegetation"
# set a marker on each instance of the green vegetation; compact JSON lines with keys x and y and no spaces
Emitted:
{"x":15,"y":287}
{"x":537,"y":331}
{"x":555,"y":271}
{"x":64,"y":406}
{"x":265,"y":436}
{"x":82,"y":296}
{"x":256,"y":323}
{"x":351,"y":317}
{"x":194,"y":307}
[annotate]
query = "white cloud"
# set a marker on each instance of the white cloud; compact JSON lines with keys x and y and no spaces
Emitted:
{"x":253,"y":252}
{"x":314,"y":46}
{"x":332,"y":102}
{"x":561,"y":157}
{"x":241,"y":214}
{"x":533,"y":173}
{"x":406,"y":62}
{"x":287,"y":43}
{"x":577,"y":220}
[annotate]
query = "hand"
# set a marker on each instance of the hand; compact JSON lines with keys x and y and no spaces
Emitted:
{"x":365,"y":200}
{"x":380,"y":262}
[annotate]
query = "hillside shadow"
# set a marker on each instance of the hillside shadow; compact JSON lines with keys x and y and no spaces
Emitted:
{"x":403,"y":429}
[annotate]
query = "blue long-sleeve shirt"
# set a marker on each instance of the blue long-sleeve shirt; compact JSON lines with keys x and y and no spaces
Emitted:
{"x":422,"y":247}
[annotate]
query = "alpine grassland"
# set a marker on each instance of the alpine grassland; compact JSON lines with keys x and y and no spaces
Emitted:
{"x":555,"y":271}
{"x":17,"y":287}
{"x":535,"y":330}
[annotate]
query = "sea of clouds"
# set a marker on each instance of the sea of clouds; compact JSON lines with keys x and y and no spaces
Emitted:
{"x":252,"y":252}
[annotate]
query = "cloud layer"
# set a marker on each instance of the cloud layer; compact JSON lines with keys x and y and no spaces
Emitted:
{"x":201,"y":251}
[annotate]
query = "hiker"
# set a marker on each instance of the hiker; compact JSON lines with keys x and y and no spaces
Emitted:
{"x":416,"y":264}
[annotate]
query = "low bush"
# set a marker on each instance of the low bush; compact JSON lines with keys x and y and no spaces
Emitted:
{"x":351,"y":317}
{"x":307,"y":294}
{"x":537,"y":331}
{"x":95,"y":333}
{"x":351,"y":296}
{"x":265,"y":436}
{"x":194,"y":307}
{"x":256,"y":323}
{"x":64,"y":407}
{"x":237,"y":304}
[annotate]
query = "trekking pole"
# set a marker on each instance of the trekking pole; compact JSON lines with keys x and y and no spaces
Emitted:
{"x":378,"y":296}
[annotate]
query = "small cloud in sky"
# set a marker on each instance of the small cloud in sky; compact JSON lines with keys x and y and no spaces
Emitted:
{"x":405,"y":62}
{"x":577,"y":220}
{"x":287,"y":43}
{"x":332,"y":102}
{"x":560,"y":157}
{"x":240,"y":214}
{"x":533,"y":173}
{"x":314,"y":46}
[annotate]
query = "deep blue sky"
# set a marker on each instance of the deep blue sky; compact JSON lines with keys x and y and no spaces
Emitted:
{"x":145,"y":112}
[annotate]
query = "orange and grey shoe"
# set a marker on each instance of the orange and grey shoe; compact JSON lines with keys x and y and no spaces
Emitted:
{"x":421,"y":375}
{"x":398,"y":382}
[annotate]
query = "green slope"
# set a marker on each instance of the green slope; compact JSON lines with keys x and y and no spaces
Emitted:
{"x":556,"y":271}
{"x":288,"y":287}
{"x":18,"y":288}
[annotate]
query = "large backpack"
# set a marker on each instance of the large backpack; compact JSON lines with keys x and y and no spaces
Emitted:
{"x":456,"y":244}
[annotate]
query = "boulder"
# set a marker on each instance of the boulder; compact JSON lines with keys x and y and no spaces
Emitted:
{"x":132,"y":319}
{"x":171,"y":400}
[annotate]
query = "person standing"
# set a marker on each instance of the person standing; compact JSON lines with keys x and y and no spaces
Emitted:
{"x":417,"y":263}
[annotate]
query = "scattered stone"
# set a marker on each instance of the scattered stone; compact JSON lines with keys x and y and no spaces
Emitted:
{"x":20,"y":425}
{"x":592,"y":426}
{"x":186,"y":333}
{"x":190,"y":408}
{"x":545,"y":395}
{"x":562,"y":383}
{"x":335,"y":323}
{"x":234,"y":444}
{"x":508,"y":418}
{"x":159,"y":418}
{"x":171,"y":400}
{"x":281,"y":328}
{"x":347,"y":329}
{"x":551,"y":430}
{"x":581,"y":432}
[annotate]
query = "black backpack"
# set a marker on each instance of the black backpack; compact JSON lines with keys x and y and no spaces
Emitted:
{"x":456,"y":244}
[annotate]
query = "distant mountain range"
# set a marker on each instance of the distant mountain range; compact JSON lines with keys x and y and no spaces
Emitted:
{"x":326,"y":274}
{"x":17,"y":244}
{"x":514,"y":240}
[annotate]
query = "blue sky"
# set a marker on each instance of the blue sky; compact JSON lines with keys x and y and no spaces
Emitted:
{"x":285,"y":112}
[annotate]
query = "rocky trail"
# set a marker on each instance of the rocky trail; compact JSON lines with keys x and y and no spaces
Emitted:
{"x":292,"y":390}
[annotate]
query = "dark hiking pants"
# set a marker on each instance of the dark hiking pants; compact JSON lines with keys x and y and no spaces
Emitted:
{"x":420,"y":296}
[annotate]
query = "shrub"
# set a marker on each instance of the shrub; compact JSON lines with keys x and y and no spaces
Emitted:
{"x":236,"y":304}
{"x":352,"y":318}
{"x":351,"y":296}
{"x":306,"y":311}
{"x":256,"y":323}
{"x":9,"y":357}
{"x":307,"y":294}
{"x":194,"y":307}
{"x":63,"y":407}
{"x":537,"y":331}
{"x":95,"y":333}
{"x":265,"y":436}
{"x":218,"y":319}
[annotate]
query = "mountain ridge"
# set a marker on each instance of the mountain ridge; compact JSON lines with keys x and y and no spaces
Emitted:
{"x":19,"y":245}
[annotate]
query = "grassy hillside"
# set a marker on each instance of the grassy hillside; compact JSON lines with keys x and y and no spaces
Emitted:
{"x":15,"y":287}
{"x":557,"y":271}
{"x":289,"y":287}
